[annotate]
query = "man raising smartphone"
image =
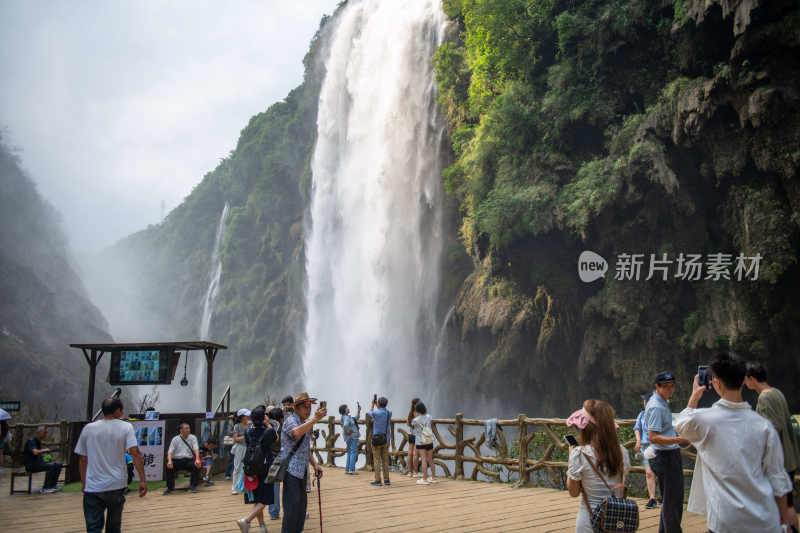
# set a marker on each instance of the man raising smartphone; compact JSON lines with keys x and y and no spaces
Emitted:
{"x":101,"y":447}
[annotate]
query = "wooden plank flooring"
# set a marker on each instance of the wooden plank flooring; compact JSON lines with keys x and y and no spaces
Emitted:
{"x":350,"y":504}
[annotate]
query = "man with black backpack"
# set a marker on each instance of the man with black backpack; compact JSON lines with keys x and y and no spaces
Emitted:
{"x":183,"y":454}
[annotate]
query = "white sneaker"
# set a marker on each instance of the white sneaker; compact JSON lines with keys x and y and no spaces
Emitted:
{"x":234,"y":492}
{"x":423,"y":482}
{"x":418,"y":474}
{"x":433,"y":480}
{"x":263,"y":529}
{"x":244,"y":526}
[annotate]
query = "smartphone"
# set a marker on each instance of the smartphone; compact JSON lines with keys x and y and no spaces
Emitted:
{"x":704,"y":376}
{"x":374,"y":397}
{"x":570,"y":440}
{"x":323,"y":404}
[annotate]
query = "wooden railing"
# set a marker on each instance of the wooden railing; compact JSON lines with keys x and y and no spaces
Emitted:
{"x":519,"y":456}
{"x":59,"y":443}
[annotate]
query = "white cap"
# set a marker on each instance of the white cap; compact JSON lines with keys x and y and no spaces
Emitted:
{"x":243,"y":412}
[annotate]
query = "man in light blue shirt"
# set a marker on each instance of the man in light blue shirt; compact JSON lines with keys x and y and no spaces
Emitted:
{"x":666,"y":463}
{"x":381,"y":430}
{"x":642,"y":443}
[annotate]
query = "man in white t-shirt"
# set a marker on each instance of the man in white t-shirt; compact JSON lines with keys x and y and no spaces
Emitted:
{"x":102,"y":446}
{"x":739,"y":458}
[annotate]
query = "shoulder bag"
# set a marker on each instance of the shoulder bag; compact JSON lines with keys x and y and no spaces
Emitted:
{"x":277,"y":472}
{"x":615,"y":514}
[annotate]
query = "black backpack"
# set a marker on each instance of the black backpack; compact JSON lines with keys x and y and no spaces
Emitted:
{"x":254,"y":462}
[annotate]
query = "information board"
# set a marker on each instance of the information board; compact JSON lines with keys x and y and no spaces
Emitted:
{"x":150,"y":436}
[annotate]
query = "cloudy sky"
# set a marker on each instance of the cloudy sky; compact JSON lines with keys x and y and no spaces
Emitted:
{"x":118,"y":106}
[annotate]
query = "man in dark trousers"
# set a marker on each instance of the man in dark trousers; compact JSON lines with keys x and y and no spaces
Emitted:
{"x":101,"y":448}
{"x":33,"y":459}
{"x":666,"y":463}
{"x":295,"y":427}
{"x":183,"y":454}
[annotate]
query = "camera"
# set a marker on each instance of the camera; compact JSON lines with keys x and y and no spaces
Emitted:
{"x":316,"y":433}
{"x":704,"y":376}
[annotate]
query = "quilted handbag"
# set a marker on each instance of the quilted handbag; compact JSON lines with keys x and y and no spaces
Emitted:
{"x":615,"y":514}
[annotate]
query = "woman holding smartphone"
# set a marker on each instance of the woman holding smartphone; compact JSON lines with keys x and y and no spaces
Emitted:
{"x":598,"y":461}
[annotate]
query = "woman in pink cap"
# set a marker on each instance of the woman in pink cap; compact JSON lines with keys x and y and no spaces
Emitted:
{"x":239,"y":447}
{"x":599,"y":457}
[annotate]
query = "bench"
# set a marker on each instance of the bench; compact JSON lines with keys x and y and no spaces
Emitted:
{"x":15,"y":475}
{"x":24,"y":473}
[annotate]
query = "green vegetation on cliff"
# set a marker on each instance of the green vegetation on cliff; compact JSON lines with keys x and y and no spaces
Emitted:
{"x":265,"y":181}
{"x":620,"y":127}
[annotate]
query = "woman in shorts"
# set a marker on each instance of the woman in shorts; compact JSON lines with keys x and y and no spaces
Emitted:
{"x":413,"y":457}
{"x":424,"y":443}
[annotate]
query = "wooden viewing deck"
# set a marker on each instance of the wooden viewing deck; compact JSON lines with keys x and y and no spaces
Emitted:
{"x":350,"y":504}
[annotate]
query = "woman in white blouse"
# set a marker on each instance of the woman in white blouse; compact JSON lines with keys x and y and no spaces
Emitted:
{"x":597,"y":435}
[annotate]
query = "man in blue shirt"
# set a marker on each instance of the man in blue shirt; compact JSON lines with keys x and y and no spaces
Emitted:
{"x":381,"y":426}
{"x":666,"y":463}
{"x":642,"y":442}
{"x":296,"y":426}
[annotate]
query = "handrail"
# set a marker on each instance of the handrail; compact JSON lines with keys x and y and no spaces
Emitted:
{"x":547,"y":432}
{"x":225,"y":396}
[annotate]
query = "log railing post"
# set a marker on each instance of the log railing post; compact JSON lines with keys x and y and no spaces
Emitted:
{"x":63,"y":437}
{"x":19,"y":434}
{"x":331,"y":441}
{"x":524,"y":476}
{"x":459,"y":471}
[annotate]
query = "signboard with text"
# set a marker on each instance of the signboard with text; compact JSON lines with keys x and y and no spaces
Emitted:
{"x":150,"y":436}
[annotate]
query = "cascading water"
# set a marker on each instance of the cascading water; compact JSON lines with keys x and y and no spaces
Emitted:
{"x":198,"y":382}
{"x":374,"y":246}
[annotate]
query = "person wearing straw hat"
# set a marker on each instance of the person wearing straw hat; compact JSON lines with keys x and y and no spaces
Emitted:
{"x":296,"y":426}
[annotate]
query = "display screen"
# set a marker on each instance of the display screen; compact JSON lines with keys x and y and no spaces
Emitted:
{"x":133,"y":367}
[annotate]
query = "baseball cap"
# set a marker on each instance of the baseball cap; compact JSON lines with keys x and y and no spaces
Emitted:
{"x":243,"y":412}
{"x":664,"y":377}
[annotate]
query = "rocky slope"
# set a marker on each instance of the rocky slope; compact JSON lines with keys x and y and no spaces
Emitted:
{"x":43,"y":306}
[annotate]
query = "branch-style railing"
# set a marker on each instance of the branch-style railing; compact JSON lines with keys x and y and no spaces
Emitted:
{"x":517,"y":458}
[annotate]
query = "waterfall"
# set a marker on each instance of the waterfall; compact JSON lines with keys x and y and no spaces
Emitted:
{"x":373,"y":249}
{"x":198,"y":382}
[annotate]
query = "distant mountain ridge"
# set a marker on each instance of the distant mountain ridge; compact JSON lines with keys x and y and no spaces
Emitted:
{"x":44,"y":305}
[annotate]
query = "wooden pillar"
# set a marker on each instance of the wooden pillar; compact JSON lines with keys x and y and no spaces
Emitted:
{"x":331,"y":440}
{"x":92,"y":359}
{"x":211,"y":354}
{"x":17,"y":439}
{"x":459,"y":472}
{"x":524,"y":475}
{"x":63,"y":433}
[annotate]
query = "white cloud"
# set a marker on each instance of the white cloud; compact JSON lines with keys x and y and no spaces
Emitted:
{"x":118,"y":106}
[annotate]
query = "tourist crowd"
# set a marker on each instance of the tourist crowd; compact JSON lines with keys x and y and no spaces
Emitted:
{"x":743,"y":474}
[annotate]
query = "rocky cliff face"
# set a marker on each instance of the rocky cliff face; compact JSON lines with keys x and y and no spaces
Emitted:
{"x":680,"y":129}
{"x":154,"y":282}
{"x":43,"y":305}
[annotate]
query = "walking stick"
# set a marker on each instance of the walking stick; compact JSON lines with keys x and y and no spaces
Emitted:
{"x":319,"y":498}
